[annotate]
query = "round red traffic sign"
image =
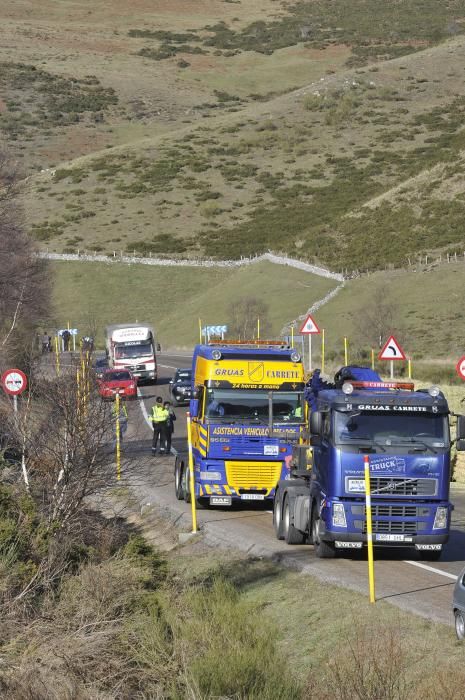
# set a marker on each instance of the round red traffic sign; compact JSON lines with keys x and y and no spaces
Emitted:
{"x":460,"y":367}
{"x":14,"y":381}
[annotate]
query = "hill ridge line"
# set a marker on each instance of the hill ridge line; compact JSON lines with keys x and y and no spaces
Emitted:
{"x":171,"y":262}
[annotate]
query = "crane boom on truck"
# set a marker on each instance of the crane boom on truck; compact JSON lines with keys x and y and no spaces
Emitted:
{"x":132,"y":346}
{"x":406,"y":435}
{"x":247,"y":413}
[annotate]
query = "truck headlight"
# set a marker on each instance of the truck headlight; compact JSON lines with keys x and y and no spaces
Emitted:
{"x":356,"y":485}
{"x":339,"y":515}
{"x":440,"y":519}
{"x":210,"y":476}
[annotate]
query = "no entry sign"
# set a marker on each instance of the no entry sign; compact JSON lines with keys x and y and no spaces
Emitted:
{"x":14,"y":381}
{"x":460,"y":367}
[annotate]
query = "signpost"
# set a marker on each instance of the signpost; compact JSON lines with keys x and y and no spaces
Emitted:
{"x":392,"y":351}
{"x":460,"y":367}
{"x":309,"y":327}
{"x":214,"y":330}
{"x":14,"y":382}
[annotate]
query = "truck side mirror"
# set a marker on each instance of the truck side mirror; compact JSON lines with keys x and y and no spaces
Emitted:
{"x":316,"y":423}
{"x":460,"y":428}
{"x":194,"y":408}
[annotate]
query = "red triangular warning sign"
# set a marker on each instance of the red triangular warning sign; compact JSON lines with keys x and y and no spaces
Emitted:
{"x":309,"y":326}
{"x":392,"y":350}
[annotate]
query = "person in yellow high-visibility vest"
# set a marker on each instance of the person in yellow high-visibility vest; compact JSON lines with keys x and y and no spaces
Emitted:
{"x":159,"y":417}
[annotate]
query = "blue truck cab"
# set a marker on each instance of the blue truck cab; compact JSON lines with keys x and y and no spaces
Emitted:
{"x":247,"y":413}
{"x":406,"y":437}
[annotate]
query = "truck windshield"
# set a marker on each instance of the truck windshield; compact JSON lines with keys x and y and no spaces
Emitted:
{"x":427,"y":429}
{"x":238,"y":404}
{"x":126,"y":351}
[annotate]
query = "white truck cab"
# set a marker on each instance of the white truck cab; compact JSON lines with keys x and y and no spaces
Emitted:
{"x":132,"y":346}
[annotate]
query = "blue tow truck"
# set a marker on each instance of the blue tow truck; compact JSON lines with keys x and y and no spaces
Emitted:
{"x":406,"y":436}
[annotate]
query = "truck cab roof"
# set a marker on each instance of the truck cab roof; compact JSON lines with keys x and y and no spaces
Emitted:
{"x":362,"y":389}
{"x":232,"y":351}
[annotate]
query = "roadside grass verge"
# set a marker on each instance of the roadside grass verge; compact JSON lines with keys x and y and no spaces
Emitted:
{"x":119,"y":619}
{"x":334,"y":642}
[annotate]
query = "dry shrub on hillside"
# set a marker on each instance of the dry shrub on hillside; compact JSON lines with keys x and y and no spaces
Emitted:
{"x":73,"y":649}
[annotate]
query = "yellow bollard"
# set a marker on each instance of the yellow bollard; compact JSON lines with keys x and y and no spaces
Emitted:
{"x":258,"y":329}
{"x":78,"y":382}
{"x":191,"y":474}
{"x":346,"y":352}
{"x":372,"y":359}
{"x":118,"y":439}
{"x":371,"y":570}
{"x":409,"y":367}
{"x":57,"y":357}
{"x":322,"y":351}
{"x":84,"y":385}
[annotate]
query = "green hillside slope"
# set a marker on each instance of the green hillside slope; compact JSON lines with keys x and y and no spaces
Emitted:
{"x":426,"y":307}
{"x":217,"y":158}
{"x":91,"y":295}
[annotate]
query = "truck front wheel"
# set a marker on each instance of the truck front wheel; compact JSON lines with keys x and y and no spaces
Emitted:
{"x":178,"y":480}
{"x":277,"y":516}
{"x":290,"y":533}
{"x":323,"y":550}
{"x":186,"y":485}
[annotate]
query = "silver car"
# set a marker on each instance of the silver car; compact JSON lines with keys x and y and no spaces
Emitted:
{"x":458,"y":606}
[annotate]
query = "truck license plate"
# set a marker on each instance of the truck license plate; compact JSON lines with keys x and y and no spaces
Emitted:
{"x":392,"y":538}
{"x":220,"y":500}
{"x":252,"y":496}
{"x":271,"y":450}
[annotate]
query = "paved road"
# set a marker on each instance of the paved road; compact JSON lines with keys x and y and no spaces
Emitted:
{"x":401,"y":579}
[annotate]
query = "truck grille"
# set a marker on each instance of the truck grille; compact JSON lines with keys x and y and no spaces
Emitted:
{"x":403,"y":486}
{"x":253,"y":475}
{"x":395,"y":526}
{"x":392,"y":511}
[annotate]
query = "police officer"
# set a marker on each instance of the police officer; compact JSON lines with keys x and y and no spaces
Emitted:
{"x":170,"y":425}
{"x":159,"y":418}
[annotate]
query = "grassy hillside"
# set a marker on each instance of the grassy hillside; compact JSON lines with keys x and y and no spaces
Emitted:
{"x":426,"y":307}
{"x":94,"y":294}
{"x":195,"y":140}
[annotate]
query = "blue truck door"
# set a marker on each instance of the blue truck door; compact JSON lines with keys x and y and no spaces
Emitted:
{"x":321,"y":456}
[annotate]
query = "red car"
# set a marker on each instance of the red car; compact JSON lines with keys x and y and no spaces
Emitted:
{"x":117,"y":381}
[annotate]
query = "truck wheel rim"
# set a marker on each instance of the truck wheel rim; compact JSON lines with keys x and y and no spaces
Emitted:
{"x":460,"y":625}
